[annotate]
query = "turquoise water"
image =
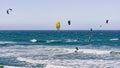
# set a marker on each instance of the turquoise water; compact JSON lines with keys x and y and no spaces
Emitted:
{"x":56,"y":48}
{"x":99,"y":38}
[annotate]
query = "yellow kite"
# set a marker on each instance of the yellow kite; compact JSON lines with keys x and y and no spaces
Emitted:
{"x":58,"y":25}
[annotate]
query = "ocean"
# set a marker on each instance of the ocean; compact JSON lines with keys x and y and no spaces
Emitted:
{"x":56,"y":49}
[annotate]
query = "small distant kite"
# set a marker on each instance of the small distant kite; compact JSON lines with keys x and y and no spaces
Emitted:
{"x":8,"y":11}
{"x":100,"y":26}
{"x":107,"y":21}
{"x":69,"y":22}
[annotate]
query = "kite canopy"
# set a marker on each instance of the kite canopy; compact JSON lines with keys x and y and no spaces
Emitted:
{"x":107,"y":21}
{"x":100,"y":26}
{"x":58,"y":25}
{"x":8,"y":11}
{"x":69,"y":22}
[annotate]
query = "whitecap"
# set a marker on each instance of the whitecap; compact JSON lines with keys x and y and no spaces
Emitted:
{"x":14,"y":67}
{"x":89,"y":51}
{"x":45,"y":63}
{"x":71,"y":40}
{"x":33,"y":40}
{"x":32,"y":61}
{"x":52,"y":41}
{"x":114,"y":39}
{"x":7,"y":42}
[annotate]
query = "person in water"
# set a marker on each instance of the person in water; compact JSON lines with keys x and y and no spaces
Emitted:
{"x":76,"y":49}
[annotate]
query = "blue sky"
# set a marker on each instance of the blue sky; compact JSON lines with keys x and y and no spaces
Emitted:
{"x":42,"y":14}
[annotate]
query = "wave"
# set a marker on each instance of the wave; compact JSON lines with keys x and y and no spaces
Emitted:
{"x":52,"y":41}
{"x":71,"y":40}
{"x":34,"y":54}
{"x":62,"y":41}
{"x":56,"y":66}
{"x":114,"y":39}
{"x":11,"y":43}
{"x":58,"y":41}
{"x":33,"y":40}
{"x":78,"y":63}
{"x":42,"y":63}
{"x":89,"y":51}
{"x":90,"y":63}
{"x":32,"y":61}
{"x":13,"y":67}
{"x":7,"y":42}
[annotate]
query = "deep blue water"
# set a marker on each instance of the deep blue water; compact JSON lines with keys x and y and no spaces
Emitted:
{"x":74,"y":37}
{"x":57,"y":48}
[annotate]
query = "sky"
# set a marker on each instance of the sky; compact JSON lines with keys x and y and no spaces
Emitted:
{"x":42,"y":14}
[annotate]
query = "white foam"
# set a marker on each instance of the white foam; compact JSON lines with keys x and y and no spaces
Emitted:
{"x":71,"y":40}
{"x":32,"y":61}
{"x":77,"y":63}
{"x":13,"y":67}
{"x":46,"y":62}
{"x":89,"y":51}
{"x":33,"y":40}
{"x":36,"y":52}
{"x":114,"y":39}
{"x":90,"y":63}
{"x":56,"y":66}
{"x":7,"y":42}
{"x":51,"y":41}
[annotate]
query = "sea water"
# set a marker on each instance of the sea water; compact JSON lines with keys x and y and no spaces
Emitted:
{"x":56,"y":49}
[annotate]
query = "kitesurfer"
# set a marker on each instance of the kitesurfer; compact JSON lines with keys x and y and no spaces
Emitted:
{"x":89,"y":39}
{"x":76,"y":49}
{"x":91,"y":29}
